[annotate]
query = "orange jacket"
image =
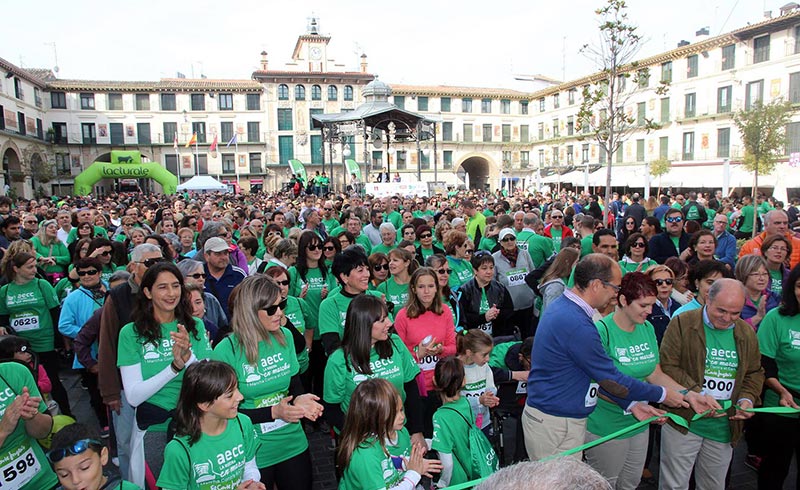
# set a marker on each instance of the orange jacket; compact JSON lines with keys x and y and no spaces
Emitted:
{"x":753,"y":246}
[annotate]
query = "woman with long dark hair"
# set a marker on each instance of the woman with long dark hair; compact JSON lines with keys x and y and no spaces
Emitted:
{"x":153,"y":351}
{"x":439,"y":264}
{"x":401,"y":265}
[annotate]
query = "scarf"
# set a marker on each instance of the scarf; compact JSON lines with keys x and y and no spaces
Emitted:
{"x":510,"y":256}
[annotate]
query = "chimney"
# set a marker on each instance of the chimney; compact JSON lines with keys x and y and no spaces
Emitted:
{"x":263,"y":61}
{"x":363,"y":63}
{"x":683,"y":43}
{"x":768,"y":14}
{"x":702,"y":34}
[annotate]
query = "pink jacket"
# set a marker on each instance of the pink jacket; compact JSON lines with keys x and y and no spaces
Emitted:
{"x":413,"y":330}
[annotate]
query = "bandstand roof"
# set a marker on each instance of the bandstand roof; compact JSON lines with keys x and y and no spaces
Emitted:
{"x":376,"y":114}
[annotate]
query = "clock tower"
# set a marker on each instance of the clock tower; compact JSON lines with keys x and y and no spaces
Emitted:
{"x":311,"y":48}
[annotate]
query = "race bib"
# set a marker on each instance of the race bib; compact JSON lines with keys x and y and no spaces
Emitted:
{"x":269,"y":400}
{"x":516,"y":277}
{"x":271,"y":426}
{"x":24,"y":322}
{"x":522,"y":387}
{"x":591,"y":395}
{"x":20,"y":470}
{"x":486,"y":327}
{"x":719,"y":388}
{"x":428,"y":363}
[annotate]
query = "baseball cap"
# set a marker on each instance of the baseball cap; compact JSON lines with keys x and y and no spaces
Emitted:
{"x":505,"y":232}
{"x":215,"y":244}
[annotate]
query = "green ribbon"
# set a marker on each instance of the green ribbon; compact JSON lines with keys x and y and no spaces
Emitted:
{"x":725,"y":404}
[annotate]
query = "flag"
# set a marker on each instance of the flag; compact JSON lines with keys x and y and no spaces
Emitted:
{"x":192,"y":141}
{"x":213,"y":144}
{"x":175,"y":141}
{"x":232,"y":141}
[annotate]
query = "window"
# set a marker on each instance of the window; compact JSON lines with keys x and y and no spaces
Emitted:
{"x":18,"y":92}
{"x":486,"y":106}
{"x":167,"y":102}
{"x":201,"y":164}
{"x":283,"y":92}
{"x":602,"y":156}
{"x":663,"y":147}
{"x":299,"y":92}
{"x":571,"y":96}
{"x":198,"y":102}
{"x":541,"y":131}
{"x":199,"y":128}
{"x":285,"y":149}
{"x":643,"y":78}
{"x":143,"y":132}
{"x":447,"y":131}
{"x":524,"y":159}
{"x":665,"y":110}
{"x":424,"y":161}
{"x":505,"y":107}
{"x":142,"y":102}
{"x":688,"y":146}
{"x":641,"y":114}
{"x":556,"y":101}
{"x":170,"y":128}
{"x":620,"y":153}
{"x":255,"y":163}
{"x":311,"y":113}
{"x":253,"y":131}
{"x":506,"y":158}
{"x":88,"y":133}
{"x":570,"y":149}
{"x":794,"y":88}
{"x":316,"y":149}
{"x":60,"y":133}
{"x":524,"y":133}
{"x":468,"y":132}
{"x":487,"y":133}
{"x":753,"y":94}
{"x":114,"y":102}
{"x":724,"y":99}
{"x":316,"y":92}
{"x":377,"y":160}
{"x":401,"y":160}
{"x":253,"y":102}
{"x":585,"y":153}
{"x":690,"y":105}
{"x":284,"y":119}
{"x":554,"y":151}
{"x":640,"y":150}
{"x":691,"y":66}
{"x":523,"y":107}
{"x":228,"y":163}
{"x":728,"y":56}
{"x":422,"y":103}
{"x":570,"y":125}
{"x":348,"y":93}
{"x":87,"y":102}
{"x":444,"y":104}
{"x":555,"y":128}
{"x":622,"y":80}
{"x":797,"y":39}
{"x":447,"y":159}
{"x":333,"y":92}
{"x":225,"y":131}
{"x":793,"y":137}
{"x":724,"y":142}
{"x":225,"y":102}
{"x":506,"y":133}
{"x":39,"y":129}
{"x":761,"y":49}
{"x":541,"y":157}
{"x":63,"y":163}
{"x":666,"y":72}
{"x":466,"y":105}
{"x":58,"y":100}
{"x":400,"y":101}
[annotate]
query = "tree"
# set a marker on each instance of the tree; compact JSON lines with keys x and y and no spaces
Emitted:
{"x":603,"y":109}
{"x":658,"y":168}
{"x":763,"y":132}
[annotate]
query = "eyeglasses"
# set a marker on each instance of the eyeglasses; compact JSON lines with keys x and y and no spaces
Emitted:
{"x":90,"y":272}
{"x":151,"y":262}
{"x":32,"y":222}
{"x":380,"y":267}
{"x":468,"y":251}
{"x":329,"y":248}
{"x":271,"y":310}
{"x":778,"y":249}
{"x":327,"y":209}
{"x":675,"y":219}
{"x":444,"y":271}
{"x":638,"y":245}
{"x":227,"y":234}
{"x":313,"y":247}
{"x":79,"y":447}
{"x":282,"y":283}
{"x":193,"y":223}
{"x":661,"y":282}
{"x":197,"y":275}
{"x":612,"y":286}
{"x":509,"y":239}
{"x":630,"y":223}
{"x":758,"y":274}
{"x":424,"y":236}
{"x":274,"y":233}
{"x":557,"y":217}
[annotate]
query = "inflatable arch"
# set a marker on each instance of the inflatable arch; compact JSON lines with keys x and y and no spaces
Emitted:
{"x":124,"y":165}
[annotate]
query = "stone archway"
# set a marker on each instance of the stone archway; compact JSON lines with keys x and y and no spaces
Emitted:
{"x":478,"y":169}
{"x":12,"y":171}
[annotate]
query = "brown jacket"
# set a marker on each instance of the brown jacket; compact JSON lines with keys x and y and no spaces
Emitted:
{"x":683,"y":357}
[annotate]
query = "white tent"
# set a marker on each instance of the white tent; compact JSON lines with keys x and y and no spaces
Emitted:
{"x":202,"y":183}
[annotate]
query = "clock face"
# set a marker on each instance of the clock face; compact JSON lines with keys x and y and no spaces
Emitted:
{"x":316,"y":53}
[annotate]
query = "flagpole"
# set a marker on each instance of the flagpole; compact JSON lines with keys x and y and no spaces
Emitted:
{"x":237,"y":162}
{"x":196,"y":158}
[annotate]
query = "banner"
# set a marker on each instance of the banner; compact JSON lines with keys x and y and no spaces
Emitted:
{"x":298,"y":169}
{"x":353,"y":168}
{"x":402,"y":189}
{"x":127,"y":165}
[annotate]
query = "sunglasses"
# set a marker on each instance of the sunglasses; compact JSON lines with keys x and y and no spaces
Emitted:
{"x":271,"y":310}
{"x":509,"y":239}
{"x":151,"y":262}
{"x":106,"y":253}
{"x":444,"y":271}
{"x":329,"y":248}
{"x":274,"y":233}
{"x":79,"y":447}
{"x":314,"y":248}
{"x":638,"y":245}
{"x":380,"y":267}
{"x":90,"y":272}
{"x":285,"y":282}
{"x":193,"y":223}
{"x":468,"y":251}
{"x":31,"y":222}
{"x":225,"y":235}
{"x":676,"y":219}
{"x":327,"y":209}
{"x":197,"y":275}
{"x":557,"y":217}
{"x":661,"y":282}
{"x":425,"y":235}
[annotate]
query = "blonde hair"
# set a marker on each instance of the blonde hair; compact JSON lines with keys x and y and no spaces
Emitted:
{"x":254,"y":293}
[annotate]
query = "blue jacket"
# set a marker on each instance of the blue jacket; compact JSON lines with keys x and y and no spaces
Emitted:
{"x":661,"y":247}
{"x":567,"y":358}
{"x":221,"y":288}
{"x":750,"y":309}
{"x":76,"y":310}
{"x":726,"y":250}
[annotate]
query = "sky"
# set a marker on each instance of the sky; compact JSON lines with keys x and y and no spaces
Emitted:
{"x":432,"y":42}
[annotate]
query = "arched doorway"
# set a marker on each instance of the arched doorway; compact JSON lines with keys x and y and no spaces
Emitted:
{"x":12,"y":171}
{"x":477,"y":168}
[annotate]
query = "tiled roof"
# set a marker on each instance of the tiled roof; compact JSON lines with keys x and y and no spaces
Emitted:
{"x":314,"y":75}
{"x":21,"y":73}
{"x":438,"y":90}
{"x":164,"y":85}
{"x":42,"y":73}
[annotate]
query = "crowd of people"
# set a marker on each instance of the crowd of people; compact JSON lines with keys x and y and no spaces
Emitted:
{"x":214,"y":333}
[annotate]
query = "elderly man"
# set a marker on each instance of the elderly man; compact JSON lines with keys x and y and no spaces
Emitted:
{"x":569,"y":366}
{"x":710,"y":350}
{"x":221,"y":276}
{"x":354,"y":227}
{"x":672,"y":242}
{"x":726,"y":243}
{"x":372,"y":230}
{"x":539,"y":247}
{"x":776,"y":222}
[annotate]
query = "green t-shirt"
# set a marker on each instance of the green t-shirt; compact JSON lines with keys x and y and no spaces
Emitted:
{"x":539,"y":247}
{"x":426,"y":252}
{"x":63,"y":288}
{"x":333,"y":311}
{"x":330,"y":224}
{"x":722,"y":361}
{"x":28,"y":308}
{"x":211,"y":463}
{"x":629,"y":266}
{"x":462,"y":271}
{"x":383,"y":249}
{"x":401,"y":445}
{"x":22,"y":460}
{"x":341,"y":379}
{"x":586,"y":245}
{"x":779,"y":338}
{"x":748,"y":213}
{"x":556,"y":235}
{"x":363,"y":240}
{"x":394,"y":218}
{"x":57,"y":250}
{"x":265,"y":384}
{"x":634,"y":354}
{"x":474,"y":224}
{"x":487,"y":243}
{"x":153,"y":359}
{"x":316,"y":283}
{"x":370,"y":468}
{"x":296,"y":312}
{"x":451,"y":435}
{"x":395,"y":293}
{"x":99,"y":231}
{"x":776,"y":284}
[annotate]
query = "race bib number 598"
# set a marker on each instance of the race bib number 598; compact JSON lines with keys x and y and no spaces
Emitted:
{"x":19,"y":471}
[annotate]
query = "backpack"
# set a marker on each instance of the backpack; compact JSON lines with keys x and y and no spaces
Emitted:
{"x":483,"y":460}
